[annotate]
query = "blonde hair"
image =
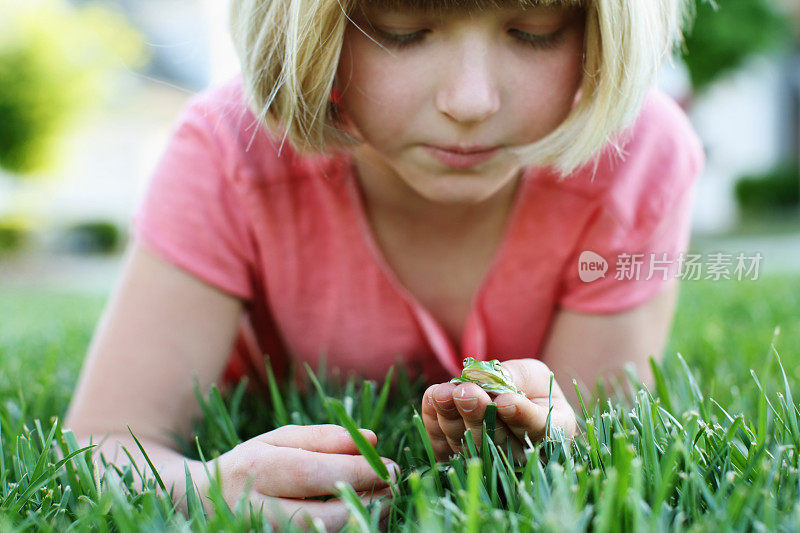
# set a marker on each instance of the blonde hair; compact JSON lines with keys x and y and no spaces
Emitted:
{"x":289,"y":52}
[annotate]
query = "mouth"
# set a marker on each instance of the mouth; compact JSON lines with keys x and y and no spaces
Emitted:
{"x":462,"y":156}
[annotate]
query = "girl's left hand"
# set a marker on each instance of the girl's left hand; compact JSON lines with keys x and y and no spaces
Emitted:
{"x":449,"y":409}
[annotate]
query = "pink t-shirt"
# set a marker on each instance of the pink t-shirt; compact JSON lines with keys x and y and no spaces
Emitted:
{"x":288,"y":235}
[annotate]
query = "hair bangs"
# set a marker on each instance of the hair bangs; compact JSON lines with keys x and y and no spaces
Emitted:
{"x":468,"y":5}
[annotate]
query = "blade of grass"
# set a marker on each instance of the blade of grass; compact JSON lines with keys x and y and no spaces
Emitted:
{"x":505,"y":476}
{"x":698,"y":396}
{"x":149,"y":462}
{"x":421,"y":503}
{"x":3,"y":482}
{"x":791,"y":409}
{"x":85,"y":479}
{"x":358,"y":515}
{"x":648,"y":440}
{"x":193,"y":504}
{"x":469,"y":443}
{"x":223,"y":417}
{"x":363,"y":445}
{"x":426,"y":443}
{"x":661,"y":385}
{"x":320,"y":391}
{"x":380,"y":406}
{"x":580,"y":399}
{"x":490,"y":419}
{"x":455,"y":476}
{"x":473,"y":494}
{"x":366,"y":402}
{"x":761,"y":431}
{"x":215,"y":488}
{"x":764,"y":395}
{"x":279,"y":409}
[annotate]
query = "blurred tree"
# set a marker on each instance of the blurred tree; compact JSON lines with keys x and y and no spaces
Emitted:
{"x":54,"y":61}
{"x":726,"y":32}
{"x":724,"y":35}
{"x":793,"y":84}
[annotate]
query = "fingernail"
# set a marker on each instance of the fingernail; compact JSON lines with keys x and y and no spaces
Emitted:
{"x":429,"y":399}
{"x":442,"y":404}
{"x":507,"y":410}
{"x":467,"y":404}
{"x":394,"y":469}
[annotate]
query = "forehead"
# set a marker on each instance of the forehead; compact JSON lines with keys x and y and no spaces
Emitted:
{"x":435,"y":6}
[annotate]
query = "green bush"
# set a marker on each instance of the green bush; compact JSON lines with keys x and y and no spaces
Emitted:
{"x":14,"y":234}
{"x":94,"y":236}
{"x":726,"y":32}
{"x":778,"y":189}
{"x":55,"y":61}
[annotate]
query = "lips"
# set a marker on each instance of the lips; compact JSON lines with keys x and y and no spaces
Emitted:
{"x":465,"y":149}
{"x":462,"y":157}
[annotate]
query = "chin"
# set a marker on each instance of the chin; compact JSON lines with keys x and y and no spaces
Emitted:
{"x":458,"y":190}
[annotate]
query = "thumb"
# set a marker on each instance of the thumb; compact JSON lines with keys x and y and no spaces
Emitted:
{"x":323,"y":438}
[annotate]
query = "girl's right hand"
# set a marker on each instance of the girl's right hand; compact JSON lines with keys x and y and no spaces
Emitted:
{"x":294,"y":462}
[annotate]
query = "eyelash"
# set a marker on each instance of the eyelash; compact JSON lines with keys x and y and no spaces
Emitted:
{"x":539,"y":42}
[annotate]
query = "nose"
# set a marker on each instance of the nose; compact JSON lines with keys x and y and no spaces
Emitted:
{"x":468,"y":90}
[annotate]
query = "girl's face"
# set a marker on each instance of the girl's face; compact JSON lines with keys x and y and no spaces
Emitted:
{"x":414,"y":84}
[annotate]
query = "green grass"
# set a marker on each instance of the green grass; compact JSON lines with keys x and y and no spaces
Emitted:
{"x":704,"y":451}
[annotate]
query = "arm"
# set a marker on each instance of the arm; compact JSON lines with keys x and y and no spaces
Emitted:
{"x":163,"y":326}
{"x":591,"y":346}
{"x":160,"y":327}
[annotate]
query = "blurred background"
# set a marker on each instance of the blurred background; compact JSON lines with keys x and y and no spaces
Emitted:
{"x":89,"y":92}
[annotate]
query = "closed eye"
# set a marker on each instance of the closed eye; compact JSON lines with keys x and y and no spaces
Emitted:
{"x":401,"y":40}
{"x":550,"y":40}
{"x":534,"y":40}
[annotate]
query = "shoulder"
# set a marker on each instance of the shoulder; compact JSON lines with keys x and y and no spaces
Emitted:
{"x":659,"y":158}
{"x":244,"y":147}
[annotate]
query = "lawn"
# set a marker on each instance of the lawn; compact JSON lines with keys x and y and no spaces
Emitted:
{"x":705,"y":450}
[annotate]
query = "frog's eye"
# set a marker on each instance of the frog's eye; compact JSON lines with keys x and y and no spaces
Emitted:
{"x":465,"y":361}
{"x":497,"y":365}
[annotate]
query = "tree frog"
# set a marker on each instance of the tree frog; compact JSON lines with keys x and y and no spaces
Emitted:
{"x":490,"y":375}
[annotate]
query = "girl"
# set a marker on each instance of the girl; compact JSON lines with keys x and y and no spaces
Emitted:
{"x":421,"y":179}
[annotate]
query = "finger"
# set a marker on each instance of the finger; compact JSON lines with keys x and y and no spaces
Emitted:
{"x":529,"y":417}
{"x":448,"y":417}
{"x":441,"y":448}
{"x":502,"y":433}
{"x":504,"y":437}
{"x":331,"y":514}
{"x":296,"y":473}
{"x":471,"y":401}
{"x":324,"y":438}
{"x":532,"y":376}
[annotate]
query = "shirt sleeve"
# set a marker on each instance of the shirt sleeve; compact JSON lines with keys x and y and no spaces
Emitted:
{"x":190,"y":214}
{"x":633,"y":243}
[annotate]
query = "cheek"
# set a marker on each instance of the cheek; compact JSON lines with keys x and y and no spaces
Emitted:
{"x":549,"y":95}
{"x":377,"y":94}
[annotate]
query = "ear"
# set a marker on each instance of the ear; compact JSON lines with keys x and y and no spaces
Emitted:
{"x":336,"y":95}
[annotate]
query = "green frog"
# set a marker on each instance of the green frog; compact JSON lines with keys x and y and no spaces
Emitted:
{"x":490,"y":375}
